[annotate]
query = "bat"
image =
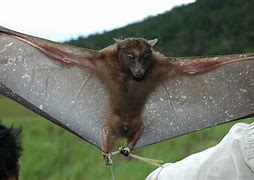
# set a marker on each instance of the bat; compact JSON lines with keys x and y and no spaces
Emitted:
{"x":126,"y":90}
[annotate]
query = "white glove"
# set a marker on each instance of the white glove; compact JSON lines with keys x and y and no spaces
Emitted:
{"x":231,"y":159}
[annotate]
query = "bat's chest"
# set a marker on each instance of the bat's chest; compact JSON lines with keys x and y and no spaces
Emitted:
{"x":132,"y":96}
{"x":132,"y":90}
{"x":129,"y":97}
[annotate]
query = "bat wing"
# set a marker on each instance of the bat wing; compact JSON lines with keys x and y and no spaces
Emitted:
{"x":62,"y":52}
{"x":50,"y":79}
{"x":194,"y":99}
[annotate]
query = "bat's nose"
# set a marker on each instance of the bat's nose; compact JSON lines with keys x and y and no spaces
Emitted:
{"x":139,"y":76}
{"x":138,"y":73}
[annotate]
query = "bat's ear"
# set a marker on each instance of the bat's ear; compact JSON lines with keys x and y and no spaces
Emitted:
{"x":152,"y":42}
{"x":119,"y":43}
{"x":62,"y":52}
{"x":117,"y":40}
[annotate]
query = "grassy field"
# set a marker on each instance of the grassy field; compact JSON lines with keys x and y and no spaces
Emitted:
{"x":55,"y":154}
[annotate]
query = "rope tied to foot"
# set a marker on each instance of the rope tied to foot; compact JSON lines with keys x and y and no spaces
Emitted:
{"x":127,"y":152}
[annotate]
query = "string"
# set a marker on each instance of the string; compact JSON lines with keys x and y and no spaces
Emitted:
{"x":154,"y":162}
{"x":127,"y":152}
{"x":159,"y":171}
{"x":112,"y":172}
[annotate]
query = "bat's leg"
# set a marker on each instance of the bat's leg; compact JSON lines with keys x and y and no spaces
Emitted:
{"x":132,"y":141}
{"x":108,"y":140}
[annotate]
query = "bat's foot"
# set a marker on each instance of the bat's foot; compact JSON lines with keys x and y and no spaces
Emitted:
{"x":125,"y":151}
{"x":107,"y":158}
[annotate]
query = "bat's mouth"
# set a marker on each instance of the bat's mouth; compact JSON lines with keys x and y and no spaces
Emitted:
{"x":138,"y":75}
{"x":138,"y":78}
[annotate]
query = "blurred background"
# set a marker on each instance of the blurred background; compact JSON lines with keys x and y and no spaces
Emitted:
{"x":203,"y":27}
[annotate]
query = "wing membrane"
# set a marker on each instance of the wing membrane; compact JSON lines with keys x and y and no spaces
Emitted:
{"x":67,"y":94}
{"x":188,"y":103}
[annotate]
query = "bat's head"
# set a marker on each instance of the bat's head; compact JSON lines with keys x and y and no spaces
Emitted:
{"x":135,"y":56}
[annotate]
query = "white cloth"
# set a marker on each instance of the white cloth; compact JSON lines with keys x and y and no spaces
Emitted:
{"x":231,"y":159}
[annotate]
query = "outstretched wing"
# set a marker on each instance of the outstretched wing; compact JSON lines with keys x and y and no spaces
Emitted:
{"x":52,"y":79}
{"x":193,"y":99}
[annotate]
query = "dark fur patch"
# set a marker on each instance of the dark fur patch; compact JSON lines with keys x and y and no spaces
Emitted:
{"x":10,"y":151}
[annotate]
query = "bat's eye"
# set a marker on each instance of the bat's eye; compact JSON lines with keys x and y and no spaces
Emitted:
{"x":131,"y":56}
{"x":147,"y":55}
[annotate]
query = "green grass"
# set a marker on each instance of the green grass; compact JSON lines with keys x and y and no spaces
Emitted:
{"x":55,"y":154}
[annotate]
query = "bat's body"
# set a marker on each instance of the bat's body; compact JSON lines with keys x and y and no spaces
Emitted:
{"x":128,"y":91}
{"x":144,"y":96}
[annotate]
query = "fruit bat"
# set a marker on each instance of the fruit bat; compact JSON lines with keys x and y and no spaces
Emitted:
{"x":126,"y":90}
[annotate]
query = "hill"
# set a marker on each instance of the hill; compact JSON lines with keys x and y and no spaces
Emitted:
{"x":201,"y":28}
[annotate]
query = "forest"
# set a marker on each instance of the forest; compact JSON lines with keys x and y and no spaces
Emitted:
{"x":202,"y":28}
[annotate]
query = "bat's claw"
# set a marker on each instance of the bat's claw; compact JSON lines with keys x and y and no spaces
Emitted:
{"x":125,"y":151}
{"x":107,"y":158}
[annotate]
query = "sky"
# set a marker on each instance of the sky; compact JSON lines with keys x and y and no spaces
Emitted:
{"x":61,"y":20}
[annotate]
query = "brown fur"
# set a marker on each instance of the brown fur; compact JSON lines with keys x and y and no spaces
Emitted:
{"x":127,"y":96}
